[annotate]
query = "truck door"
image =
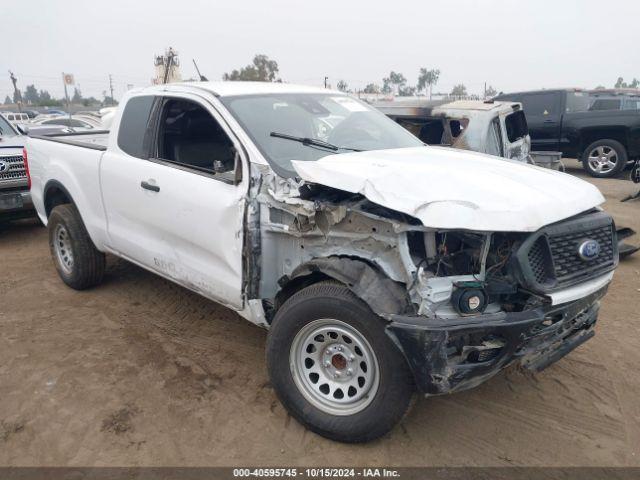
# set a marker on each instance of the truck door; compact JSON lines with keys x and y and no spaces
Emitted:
{"x":544,"y":117}
{"x":173,"y":194}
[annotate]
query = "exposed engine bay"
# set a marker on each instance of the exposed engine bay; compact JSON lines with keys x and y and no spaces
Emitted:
{"x":312,"y":230}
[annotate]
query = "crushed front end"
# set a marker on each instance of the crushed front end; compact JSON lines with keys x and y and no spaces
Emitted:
{"x":460,"y":304}
{"x":541,"y":299}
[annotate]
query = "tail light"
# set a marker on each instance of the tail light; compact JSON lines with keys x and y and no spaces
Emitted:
{"x":26,"y":167}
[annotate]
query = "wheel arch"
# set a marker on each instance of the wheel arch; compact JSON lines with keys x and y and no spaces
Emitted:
{"x":367,"y":281}
{"x":588,"y":136}
{"x":55,"y":194}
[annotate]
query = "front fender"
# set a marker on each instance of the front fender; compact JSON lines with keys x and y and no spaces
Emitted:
{"x":383,"y":295}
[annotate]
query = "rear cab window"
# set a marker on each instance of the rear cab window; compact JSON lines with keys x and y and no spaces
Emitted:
{"x":134,"y":125}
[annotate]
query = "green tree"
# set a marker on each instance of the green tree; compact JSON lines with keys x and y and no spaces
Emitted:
{"x":459,"y":91}
{"x":343,"y":86}
{"x":490,"y":92}
{"x":44,"y":96}
{"x":262,"y":69}
{"x":620,"y":83}
{"x":427,"y":78}
{"x":7,"y":100}
{"x":406,"y":91}
{"x":31,"y":95}
{"x":371,"y":88}
{"x":77,"y":96}
{"x":394,"y":82}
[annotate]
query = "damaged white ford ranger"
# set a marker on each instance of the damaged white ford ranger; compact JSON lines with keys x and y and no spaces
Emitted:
{"x":380,"y":266}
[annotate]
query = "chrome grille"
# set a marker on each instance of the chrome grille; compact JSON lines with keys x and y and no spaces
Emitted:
{"x":16,"y":174}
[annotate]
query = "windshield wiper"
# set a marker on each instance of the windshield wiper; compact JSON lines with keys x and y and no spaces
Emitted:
{"x":312,"y":142}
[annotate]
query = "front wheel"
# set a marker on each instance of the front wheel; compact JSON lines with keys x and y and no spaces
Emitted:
{"x":604,"y":158}
{"x":333,"y":366}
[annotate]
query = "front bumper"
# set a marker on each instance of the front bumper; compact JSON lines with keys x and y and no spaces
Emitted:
{"x":450,"y":355}
{"x":15,"y":204}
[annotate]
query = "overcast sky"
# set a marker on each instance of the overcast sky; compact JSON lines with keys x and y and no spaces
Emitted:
{"x":511,"y":45}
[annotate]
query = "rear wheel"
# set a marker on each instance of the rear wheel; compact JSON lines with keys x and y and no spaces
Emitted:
{"x":333,"y":366}
{"x":604,"y":158}
{"x":79,"y":263}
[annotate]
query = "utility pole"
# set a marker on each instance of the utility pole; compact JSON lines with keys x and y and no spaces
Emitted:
{"x":16,"y":92}
{"x":111,"y":89}
{"x":325,"y":81}
{"x":485,"y":91}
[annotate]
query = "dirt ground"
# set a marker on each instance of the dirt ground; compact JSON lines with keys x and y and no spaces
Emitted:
{"x":142,"y":372}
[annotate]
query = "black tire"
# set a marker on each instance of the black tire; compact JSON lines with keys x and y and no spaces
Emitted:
{"x":331,"y":300}
{"x":608,"y":145}
{"x":87,"y":267}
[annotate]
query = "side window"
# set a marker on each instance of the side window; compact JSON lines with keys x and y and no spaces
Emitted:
{"x":78,"y":124}
{"x":605,"y":104}
{"x":133,"y":126}
{"x":577,"y":102}
{"x":432,"y":132}
{"x":516,"y":126}
{"x":494,"y":139}
{"x":631,"y":104}
{"x":542,"y":104}
{"x":189,"y":136}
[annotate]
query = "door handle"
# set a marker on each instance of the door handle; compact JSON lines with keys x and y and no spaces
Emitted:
{"x":549,"y":121}
{"x":148,"y":186}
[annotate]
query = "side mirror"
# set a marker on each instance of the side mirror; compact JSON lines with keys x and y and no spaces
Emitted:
{"x":23,"y":129}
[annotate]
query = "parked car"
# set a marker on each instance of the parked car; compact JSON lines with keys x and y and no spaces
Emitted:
{"x":32,"y":113}
{"x":494,"y":128}
{"x":377,"y":268}
{"x":77,"y":123}
{"x":53,"y":111}
{"x":615,"y":99}
{"x":561,"y":120}
{"x":16,"y":118}
{"x":15,"y":201}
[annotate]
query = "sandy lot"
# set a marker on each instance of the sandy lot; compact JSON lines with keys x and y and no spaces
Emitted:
{"x":142,"y":372}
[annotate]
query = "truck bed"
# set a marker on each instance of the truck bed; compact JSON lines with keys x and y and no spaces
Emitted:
{"x":96,"y":140}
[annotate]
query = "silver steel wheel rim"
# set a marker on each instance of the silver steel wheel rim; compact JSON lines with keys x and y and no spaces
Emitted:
{"x":603,"y":159}
{"x":334,"y":367}
{"x":62,"y":247}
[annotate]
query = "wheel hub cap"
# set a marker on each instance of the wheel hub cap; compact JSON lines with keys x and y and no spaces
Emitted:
{"x":603,"y":159}
{"x":334,"y":367}
{"x":62,"y":248}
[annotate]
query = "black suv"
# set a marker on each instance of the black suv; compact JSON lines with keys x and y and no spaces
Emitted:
{"x":563,"y":120}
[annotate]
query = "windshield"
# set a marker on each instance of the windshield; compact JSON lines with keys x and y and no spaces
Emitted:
{"x":6,"y":129}
{"x":308,"y":127}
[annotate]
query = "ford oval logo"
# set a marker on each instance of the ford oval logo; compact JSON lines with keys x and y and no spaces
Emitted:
{"x":3,"y":167}
{"x":589,"y":250}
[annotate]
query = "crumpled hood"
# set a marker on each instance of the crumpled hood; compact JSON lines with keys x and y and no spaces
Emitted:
{"x":455,"y":189}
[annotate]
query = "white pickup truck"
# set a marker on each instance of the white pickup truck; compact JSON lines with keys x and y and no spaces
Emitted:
{"x":379,"y":267}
